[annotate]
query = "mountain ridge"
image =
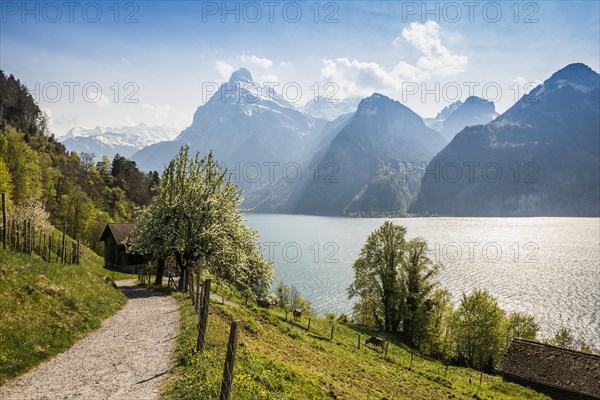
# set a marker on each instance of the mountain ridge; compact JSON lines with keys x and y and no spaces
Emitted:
{"x":547,"y":146}
{"x":382,"y":131}
{"x":109,"y":141}
{"x":244,"y":124}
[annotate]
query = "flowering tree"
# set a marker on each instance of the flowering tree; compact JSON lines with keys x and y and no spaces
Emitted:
{"x":195,"y":217}
{"x":33,"y":210}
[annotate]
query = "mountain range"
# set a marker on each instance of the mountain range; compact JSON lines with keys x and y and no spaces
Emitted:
{"x":262,"y":139}
{"x":378,"y":138}
{"x":378,"y":157}
{"x":251,"y":129}
{"x":540,"y":157}
{"x":330,"y":108}
{"x":458,"y":115}
{"x":106,"y":141}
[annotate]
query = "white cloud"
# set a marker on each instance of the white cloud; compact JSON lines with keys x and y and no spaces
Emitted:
{"x":225,"y":70}
{"x":257,"y":61}
{"x":360,"y":78}
{"x":98,"y":99}
{"x":286,"y":64}
{"x":436,"y":58}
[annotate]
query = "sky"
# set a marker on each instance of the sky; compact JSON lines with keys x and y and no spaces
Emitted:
{"x":123,"y":63}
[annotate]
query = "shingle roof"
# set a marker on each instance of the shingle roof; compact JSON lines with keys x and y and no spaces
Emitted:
{"x":118,"y":231}
{"x":566,"y":369}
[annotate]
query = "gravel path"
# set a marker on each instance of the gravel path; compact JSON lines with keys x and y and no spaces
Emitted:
{"x":125,"y":359}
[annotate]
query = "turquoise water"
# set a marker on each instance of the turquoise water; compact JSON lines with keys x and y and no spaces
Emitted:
{"x":547,"y":267}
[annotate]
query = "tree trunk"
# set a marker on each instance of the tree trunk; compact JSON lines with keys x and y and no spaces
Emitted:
{"x":182,"y":269}
{"x":182,"y":279}
{"x":160,"y":270}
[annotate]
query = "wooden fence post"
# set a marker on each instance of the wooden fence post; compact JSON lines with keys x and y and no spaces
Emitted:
{"x":64,"y":236}
{"x":12,"y":234}
{"x":26,"y":235}
{"x":4,"y":220}
{"x":331,"y":338}
{"x":386,"y":348}
{"x":17,"y":238}
{"x":201,"y":294}
{"x":308,"y":327}
{"x":50,"y":242}
{"x":78,"y":251}
{"x":191,"y":283}
{"x":29,"y":237}
{"x":229,"y":361}
{"x":198,"y":293}
{"x":203,"y":323}
{"x":359,"y":341}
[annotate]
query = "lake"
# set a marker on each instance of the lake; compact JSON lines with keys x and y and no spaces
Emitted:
{"x":546,"y":267}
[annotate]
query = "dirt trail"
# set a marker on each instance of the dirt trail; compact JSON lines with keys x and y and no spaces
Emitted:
{"x":219,"y":299}
{"x":125,"y":359}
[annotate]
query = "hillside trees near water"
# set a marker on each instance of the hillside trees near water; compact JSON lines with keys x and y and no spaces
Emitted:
{"x":195,"y":218}
{"x":71,"y":187}
{"x":394,"y":281}
{"x":396,"y":289}
{"x":477,"y":330}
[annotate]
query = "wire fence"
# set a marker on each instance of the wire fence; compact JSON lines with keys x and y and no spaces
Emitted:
{"x":24,"y":237}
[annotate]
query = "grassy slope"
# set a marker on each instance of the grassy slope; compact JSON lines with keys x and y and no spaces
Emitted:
{"x":46,"y":307}
{"x":275,"y":361}
{"x":92,"y":260}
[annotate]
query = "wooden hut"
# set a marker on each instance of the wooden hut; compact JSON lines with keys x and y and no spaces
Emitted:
{"x":115,"y":256}
{"x":557,"y":372}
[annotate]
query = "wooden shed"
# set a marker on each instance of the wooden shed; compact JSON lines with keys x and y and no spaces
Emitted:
{"x":115,"y":256}
{"x":557,"y":372}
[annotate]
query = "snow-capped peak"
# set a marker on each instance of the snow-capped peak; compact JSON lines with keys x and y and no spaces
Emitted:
{"x":241,"y":75}
{"x":108,"y":140}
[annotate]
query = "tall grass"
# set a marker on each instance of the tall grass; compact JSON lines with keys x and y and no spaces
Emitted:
{"x":46,"y":307}
{"x":278,"y":361}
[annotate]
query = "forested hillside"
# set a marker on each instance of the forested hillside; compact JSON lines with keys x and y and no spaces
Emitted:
{"x":36,"y":169}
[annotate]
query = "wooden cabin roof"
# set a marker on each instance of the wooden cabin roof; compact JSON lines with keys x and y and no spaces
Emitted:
{"x":553,"y":366}
{"x":118,"y":231}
